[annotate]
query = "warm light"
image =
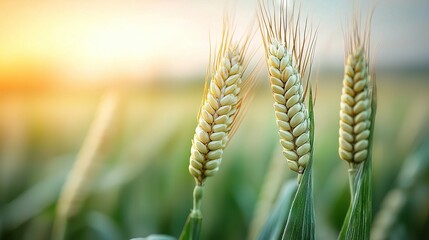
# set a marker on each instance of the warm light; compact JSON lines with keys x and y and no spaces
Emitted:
{"x":95,"y":40}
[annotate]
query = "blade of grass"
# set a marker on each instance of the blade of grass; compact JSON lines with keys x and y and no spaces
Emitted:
{"x":103,"y":226}
{"x":192,"y":228}
{"x":357,"y":224}
{"x":272,"y":186}
{"x":394,"y":203}
{"x":37,"y":199}
{"x":300,"y":224}
{"x":278,"y":217}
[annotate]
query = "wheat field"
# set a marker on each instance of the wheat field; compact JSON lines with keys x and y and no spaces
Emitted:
{"x":143,"y":185}
{"x":310,"y":122}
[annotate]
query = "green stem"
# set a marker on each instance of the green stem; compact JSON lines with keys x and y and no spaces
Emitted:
{"x":198,"y":195}
{"x":192,"y":228}
{"x":352,"y":177}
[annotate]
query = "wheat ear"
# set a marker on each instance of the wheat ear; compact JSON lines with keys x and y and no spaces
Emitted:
{"x":355,"y":107}
{"x":288,"y":53}
{"x":226,"y":94}
{"x":87,"y":162}
{"x":221,"y":110}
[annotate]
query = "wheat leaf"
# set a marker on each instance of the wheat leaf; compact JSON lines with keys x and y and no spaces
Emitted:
{"x":278,"y":217}
{"x":192,"y":228}
{"x":300,"y":224}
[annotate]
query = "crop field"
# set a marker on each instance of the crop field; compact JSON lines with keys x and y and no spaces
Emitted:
{"x":142,"y":186}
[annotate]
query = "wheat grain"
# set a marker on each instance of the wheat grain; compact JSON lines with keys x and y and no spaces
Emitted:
{"x":221,"y":109}
{"x":355,"y":107}
{"x":288,"y":56}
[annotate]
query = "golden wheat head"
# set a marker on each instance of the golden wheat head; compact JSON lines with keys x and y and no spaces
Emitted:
{"x":221,"y":110}
{"x":355,"y":108}
{"x":289,"y":50}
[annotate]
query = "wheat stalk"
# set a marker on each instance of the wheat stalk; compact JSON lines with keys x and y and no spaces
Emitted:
{"x":225,"y":97}
{"x":87,"y":162}
{"x":221,"y":109}
{"x":288,"y":54}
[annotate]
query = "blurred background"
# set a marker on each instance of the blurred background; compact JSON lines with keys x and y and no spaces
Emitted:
{"x":61,"y":61}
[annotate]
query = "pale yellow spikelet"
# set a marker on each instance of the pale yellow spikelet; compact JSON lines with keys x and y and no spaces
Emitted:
{"x":88,"y":161}
{"x":220,"y":110}
{"x":355,"y":107}
{"x":287,"y":57}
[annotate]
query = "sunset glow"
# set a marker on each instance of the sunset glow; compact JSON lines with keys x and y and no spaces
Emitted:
{"x":93,"y":41}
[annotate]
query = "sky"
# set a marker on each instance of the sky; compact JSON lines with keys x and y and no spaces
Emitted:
{"x":147,"y":39}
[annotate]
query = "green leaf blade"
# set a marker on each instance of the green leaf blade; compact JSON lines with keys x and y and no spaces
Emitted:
{"x":192,"y":228}
{"x":357,"y":224}
{"x":273,"y":229}
{"x":301,"y":223}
